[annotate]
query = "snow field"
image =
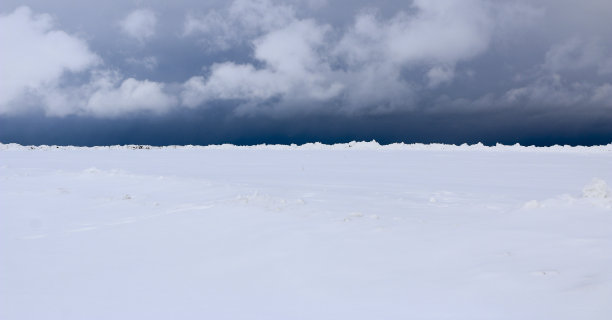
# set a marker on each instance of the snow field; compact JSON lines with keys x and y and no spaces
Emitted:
{"x":348,"y":232}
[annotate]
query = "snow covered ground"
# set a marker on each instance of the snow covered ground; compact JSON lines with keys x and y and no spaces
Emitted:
{"x":354,"y":231}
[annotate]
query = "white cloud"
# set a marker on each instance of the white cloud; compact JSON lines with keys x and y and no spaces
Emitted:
{"x":440,"y":32}
{"x":373,"y":62}
{"x":303,"y":59}
{"x":108,"y":94}
{"x":292,"y":69}
{"x":34,"y":56}
{"x":113,"y":97}
{"x":139,"y":24}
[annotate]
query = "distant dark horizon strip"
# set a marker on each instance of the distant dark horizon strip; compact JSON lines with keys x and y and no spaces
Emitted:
{"x":195,"y":127}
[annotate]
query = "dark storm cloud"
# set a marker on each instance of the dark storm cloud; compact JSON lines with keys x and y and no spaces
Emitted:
{"x":202,"y":127}
{"x":263,"y":70}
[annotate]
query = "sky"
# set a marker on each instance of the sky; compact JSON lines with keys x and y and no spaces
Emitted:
{"x":295,"y":71}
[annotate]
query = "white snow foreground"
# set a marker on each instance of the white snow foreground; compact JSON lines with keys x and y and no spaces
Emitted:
{"x":353,"y":231}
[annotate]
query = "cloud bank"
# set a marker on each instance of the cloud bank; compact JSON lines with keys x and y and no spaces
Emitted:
{"x":275,"y":58}
{"x":301,"y":61}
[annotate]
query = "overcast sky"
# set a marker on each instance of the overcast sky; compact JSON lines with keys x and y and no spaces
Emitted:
{"x":264,"y":71}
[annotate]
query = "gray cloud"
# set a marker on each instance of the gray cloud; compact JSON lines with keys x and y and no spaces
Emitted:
{"x":239,"y":22}
{"x":361,"y":65}
{"x":284,"y":58}
{"x":578,"y":54}
{"x":139,"y":24}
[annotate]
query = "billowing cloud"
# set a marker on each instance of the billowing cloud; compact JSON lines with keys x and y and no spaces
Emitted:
{"x":109,"y":94}
{"x":438,"y":32}
{"x":38,"y":62}
{"x":111,"y":98}
{"x":139,"y":24}
{"x":290,"y":57}
{"x":35,"y":56}
{"x":293,"y":69}
{"x":304,"y":59}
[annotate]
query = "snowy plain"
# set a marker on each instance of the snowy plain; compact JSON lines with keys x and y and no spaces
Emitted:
{"x":350,"y":231}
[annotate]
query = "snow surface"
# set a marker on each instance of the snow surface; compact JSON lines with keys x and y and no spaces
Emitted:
{"x":352,"y":231}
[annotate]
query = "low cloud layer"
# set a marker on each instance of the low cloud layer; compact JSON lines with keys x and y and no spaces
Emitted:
{"x":291,"y":58}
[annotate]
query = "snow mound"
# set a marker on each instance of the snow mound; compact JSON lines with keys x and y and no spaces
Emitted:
{"x":597,"y":189}
{"x":596,"y":192}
